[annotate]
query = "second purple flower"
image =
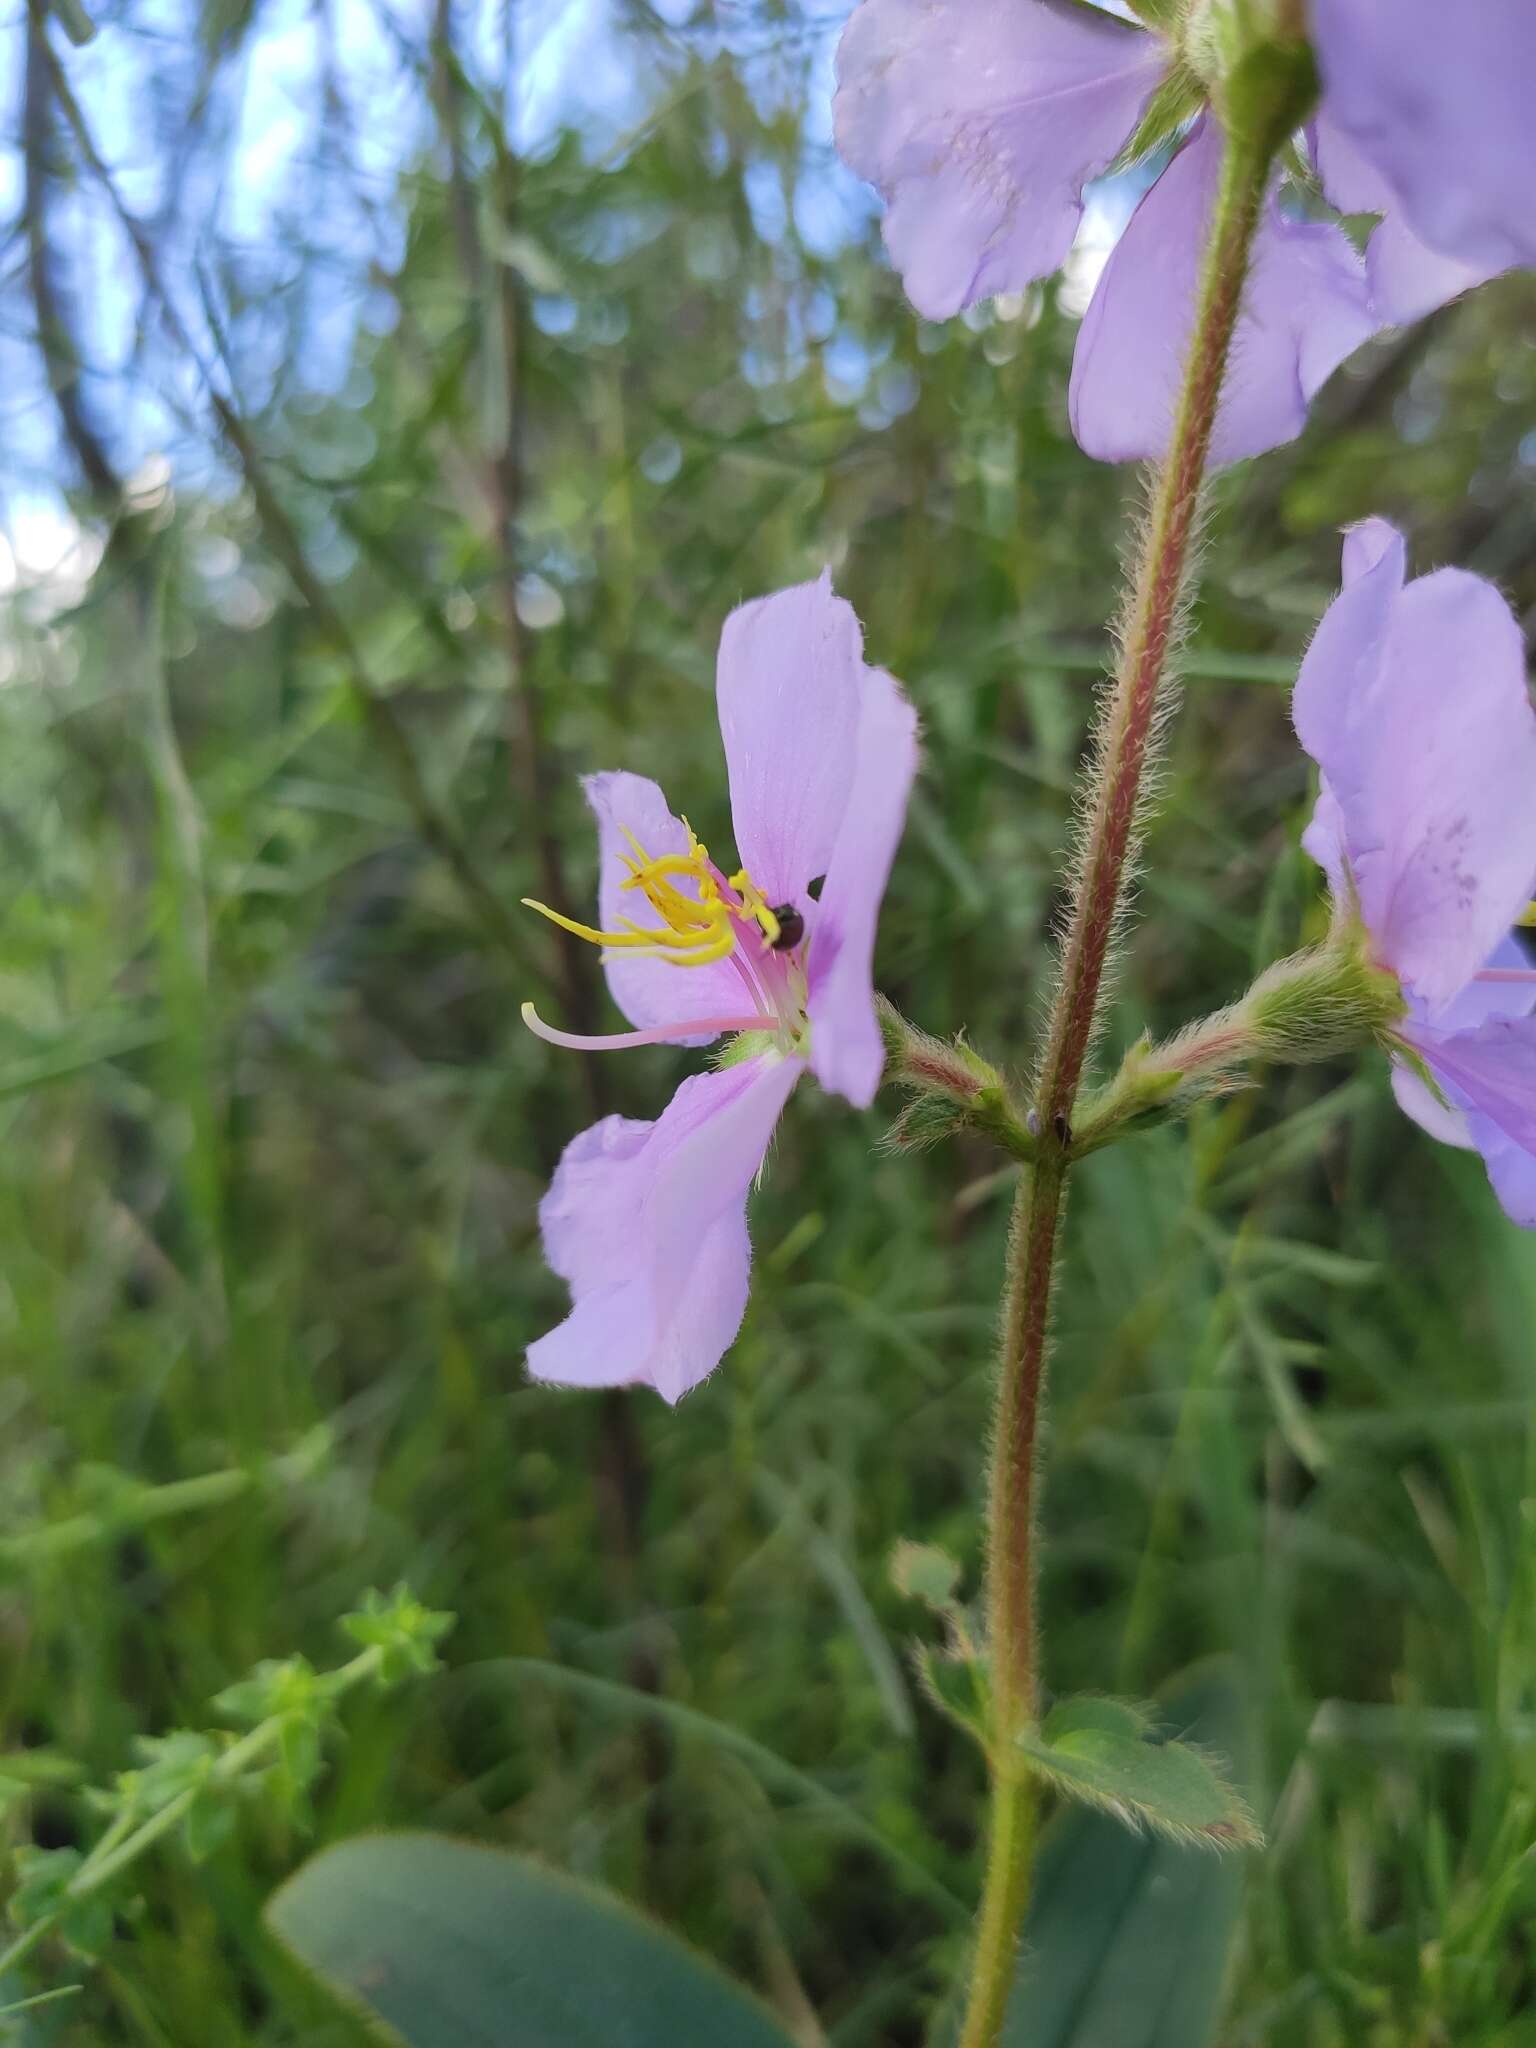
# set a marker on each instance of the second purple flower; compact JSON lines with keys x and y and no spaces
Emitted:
{"x":1413,"y":702}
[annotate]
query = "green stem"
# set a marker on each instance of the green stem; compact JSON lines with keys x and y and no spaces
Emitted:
{"x":142,"y":1506}
{"x":118,"y":1847}
{"x":1005,"y":1899}
{"x":1113,"y":812}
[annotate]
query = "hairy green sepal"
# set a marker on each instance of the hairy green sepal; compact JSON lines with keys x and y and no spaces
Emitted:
{"x":953,"y":1090}
{"x":1106,"y":1753}
{"x":953,"y":1674}
{"x":746,"y":1045}
{"x":1178,"y":98}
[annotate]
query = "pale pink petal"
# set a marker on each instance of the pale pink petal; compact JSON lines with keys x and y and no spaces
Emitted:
{"x":1407,"y":278}
{"x":1490,"y":1073}
{"x":1351,"y":182}
{"x":650,"y":992}
{"x":1472,"y":1006}
{"x":980,"y":123}
{"x":1511,"y":1169}
{"x":1368,"y":543}
{"x":1413,"y":701}
{"x":1481,"y":1001}
{"x":590,"y":1204}
{"x":646,"y":1223}
{"x":1341,"y":670}
{"x":615,"y":1336}
{"x":1305,"y":308}
{"x":1324,"y":840}
{"x":1347,"y":632}
{"x":1437,"y":96}
{"x":846,"y":1051}
{"x":1445,"y":1121}
{"x":788,"y":684}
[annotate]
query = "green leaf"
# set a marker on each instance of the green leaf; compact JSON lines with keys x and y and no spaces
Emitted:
{"x":1093,"y":1713}
{"x":172,"y":1764}
{"x":1106,"y":1753}
{"x":208,"y":1826}
{"x":1127,"y":1940}
{"x":401,"y":1629}
{"x":455,"y":1946}
{"x":43,"y":1879}
{"x":923,"y":1572}
{"x":957,"y":1686}
{"x":278,"y":1688}
{"x":296,"y":1769}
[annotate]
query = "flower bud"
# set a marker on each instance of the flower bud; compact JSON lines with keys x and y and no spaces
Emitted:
{"x":1328,"y":1000}
{"x":953,"y":1090}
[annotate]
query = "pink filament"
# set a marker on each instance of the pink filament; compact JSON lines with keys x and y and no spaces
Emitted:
{"x":621,"y":1041}
{"x":1523,"y":975}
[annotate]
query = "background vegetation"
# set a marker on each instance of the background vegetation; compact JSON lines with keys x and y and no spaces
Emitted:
{"x":414,"y":450}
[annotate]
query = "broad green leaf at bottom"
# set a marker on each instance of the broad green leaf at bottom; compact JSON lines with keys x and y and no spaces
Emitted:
{"x":457,"y":1946}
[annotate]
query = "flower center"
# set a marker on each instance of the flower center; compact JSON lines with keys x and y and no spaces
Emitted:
{"x":1527,"y":918}
{"x":698,"y":925}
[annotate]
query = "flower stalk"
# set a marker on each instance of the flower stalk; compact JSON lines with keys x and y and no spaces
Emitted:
{"x":1113,"y":808}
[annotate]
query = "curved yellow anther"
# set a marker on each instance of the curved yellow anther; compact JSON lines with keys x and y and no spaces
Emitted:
{"x":695,"y":929}
{"x":1527,"y":918}
{"x":669,"y":864}
{"x":755,"y":904}
{"x":635,"y":936}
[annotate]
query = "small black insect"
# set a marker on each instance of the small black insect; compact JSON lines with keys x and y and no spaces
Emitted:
{"x":791,"y":927}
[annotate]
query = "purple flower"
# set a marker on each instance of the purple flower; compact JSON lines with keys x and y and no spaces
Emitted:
{"x":646,"y":1221}
{"x":1413,"y":702}
{"x":1305,"y":308}
{"x":981,"y":125}
{"x":1426,"y":119}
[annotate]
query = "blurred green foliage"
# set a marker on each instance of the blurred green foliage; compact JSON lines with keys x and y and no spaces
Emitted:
{"x":274,"y":1136}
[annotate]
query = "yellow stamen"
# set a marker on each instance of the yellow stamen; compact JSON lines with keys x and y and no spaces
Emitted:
{"x":756,"y":906}
{"x":669,"y":864}
{"x":642,"y":937}
{"x":1527,"y":918}
{"x":695,"y":929}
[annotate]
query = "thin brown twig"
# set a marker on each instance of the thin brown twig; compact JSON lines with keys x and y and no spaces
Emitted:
{"x":380,"y":714}
{"x":61,"y":355}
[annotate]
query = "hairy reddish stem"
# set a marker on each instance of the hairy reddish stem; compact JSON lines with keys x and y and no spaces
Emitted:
{"x":1112,"y":812}
{"x":1156,"y":609}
